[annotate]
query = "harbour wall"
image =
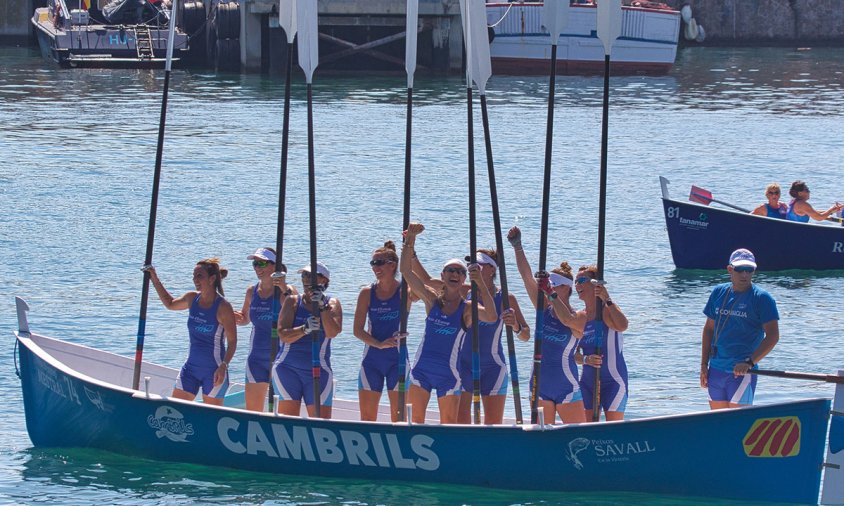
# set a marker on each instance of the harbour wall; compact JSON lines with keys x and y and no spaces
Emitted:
{"x":15,"y":27}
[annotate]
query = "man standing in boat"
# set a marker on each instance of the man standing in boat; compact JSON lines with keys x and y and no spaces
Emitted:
{"x":741,"y":329}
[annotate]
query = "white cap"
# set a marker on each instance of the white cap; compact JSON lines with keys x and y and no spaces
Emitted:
{"x":262,"y":254}
{"x":483,"y":258}
{"x":454,"y":261}
{"x":320,"y":268}
{"x":559,"y":280}
{"x":742,"y":257}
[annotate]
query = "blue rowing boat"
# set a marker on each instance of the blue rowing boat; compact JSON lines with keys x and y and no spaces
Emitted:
{"x":76,"y":396}
{"x":703,"y":237}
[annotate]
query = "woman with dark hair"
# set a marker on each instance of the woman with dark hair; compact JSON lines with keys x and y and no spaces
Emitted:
{"x":448,"y":318}
{"x":380,"y":305}
{"x":212,"y":331}
{"x":559,"y":387}
{"x":801,"y":210}
{"x":258,"y":307}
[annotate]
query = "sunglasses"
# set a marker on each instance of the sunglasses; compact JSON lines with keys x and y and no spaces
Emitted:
{"x":260,"y":263}
{"x":744,"y":268}
{"x":458,"y":270}
{"x":379,"y":263}
{"x":582,"y":279}
{"x":773,"y":193}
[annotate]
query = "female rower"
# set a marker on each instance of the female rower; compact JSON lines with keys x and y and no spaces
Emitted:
{"x":212,"y":331}
{"x":606,"y":335}
{"x":293,"y":366}
{"x":559,"y":388}
{"x":801,"y":210}
{"x":380,"y":303}
{"x":435,"y":364}
{"x":773,"y":208}
{"x":260,"y":309}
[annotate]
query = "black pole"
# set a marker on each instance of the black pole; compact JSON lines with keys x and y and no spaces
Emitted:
{"x":502,"y":271}
{"x":282,"y":198}
{"x":543,"y":239}
{"x":153,"y":210}
{"x":315,"y":304}
{"x":473,"y":246}
{"x":602,"y":222}
{"x":404,"y":295}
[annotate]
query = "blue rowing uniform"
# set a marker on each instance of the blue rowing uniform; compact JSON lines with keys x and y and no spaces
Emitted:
{"x":435,"y":364}
{"x":613,"y":371}
{"x":293,"y":366}
{"x":494,"y":375}
{"x":207,"y":350}
{"x":381,"y":366}
{"x":777,"y":212}
{"x":558,"y":378}
{"x":262,"y":317}
{"x":795,"y":217}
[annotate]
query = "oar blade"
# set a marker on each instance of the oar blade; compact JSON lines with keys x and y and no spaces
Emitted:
{"x":411,"y":30}
{"x":287,"y":18}
{"x":609,"y":23}
{"x":700,"y":196}
{"x":307,"y":27}
{"x":555,"y":17}
{"x":478,"y":64}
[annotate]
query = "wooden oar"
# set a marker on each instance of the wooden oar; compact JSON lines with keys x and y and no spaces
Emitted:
{"x":482,"y":70}
{"x":412,"y":21}
{"x":306,"y":21}
{"x":153,"y":208}
{"x":827,"y":378}
{"x":466,"y":11}
{"x":703,"y":196}
{"x":609,"y":29}
{"x":554,"y":18}
{"x":287,"y":20}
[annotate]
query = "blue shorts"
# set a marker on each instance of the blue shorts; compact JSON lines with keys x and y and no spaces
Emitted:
{"x":258,"y":366}
{"x":192,"y":378}
{"x":445,"y":384}
{"x":292,"y":384}
{"x":494,"y":379}
{"x":613,"y":393}
{"x":725,"y":386}
{"x":374,"y":373}
{"x":557,"y":390}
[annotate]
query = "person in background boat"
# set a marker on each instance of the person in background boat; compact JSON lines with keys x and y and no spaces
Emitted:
{"x":773,"y":208}
{"x":801,"y":210}
{"x":293,"y":366}
{"x":258,"y":308}
{"x":380,"y":304}
{"x":212,"y":331}
{"x":741,"y":329}
{"x":448,"y":318}
{"x":559,"y":386}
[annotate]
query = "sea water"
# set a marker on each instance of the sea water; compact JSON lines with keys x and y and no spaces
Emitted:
{"x":77,"y":151}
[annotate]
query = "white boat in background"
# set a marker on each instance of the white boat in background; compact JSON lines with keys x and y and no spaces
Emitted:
{"x":521,"y":45}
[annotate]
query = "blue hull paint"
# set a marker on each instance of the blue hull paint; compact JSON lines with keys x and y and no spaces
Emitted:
{"x":703,"y":237}
{"x":679,"y":455}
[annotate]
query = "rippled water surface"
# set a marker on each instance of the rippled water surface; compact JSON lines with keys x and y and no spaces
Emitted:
{"x":77,"y":151}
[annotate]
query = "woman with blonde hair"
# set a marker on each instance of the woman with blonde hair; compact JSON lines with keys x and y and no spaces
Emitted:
{"x":773,"y":208}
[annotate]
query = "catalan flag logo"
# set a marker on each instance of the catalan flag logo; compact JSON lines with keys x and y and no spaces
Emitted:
{"x":773,"y":437}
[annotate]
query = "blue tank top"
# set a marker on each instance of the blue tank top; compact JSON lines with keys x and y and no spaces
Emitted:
{"x":261,"y":315}
{"x":777,"y":212}
{"x":595,"y":334}
{"x":298,"y":354}
{"x":207,"y":337}
{"x":384,"y":321}
{"x":558,"y":343}
{"x":443,"y":336}
{"x":489,"y":340}
{"x":794,"y":217}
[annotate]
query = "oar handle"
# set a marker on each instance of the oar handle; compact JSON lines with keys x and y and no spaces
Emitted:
{"x":827,"y":378}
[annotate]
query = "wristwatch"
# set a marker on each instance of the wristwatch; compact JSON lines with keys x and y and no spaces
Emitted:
{"x":610,"y":303}
{"x":749,"y":361}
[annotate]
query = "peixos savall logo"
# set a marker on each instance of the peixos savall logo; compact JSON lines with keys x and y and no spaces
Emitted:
{"x":171,"y":424}
{"x":605,"y":450}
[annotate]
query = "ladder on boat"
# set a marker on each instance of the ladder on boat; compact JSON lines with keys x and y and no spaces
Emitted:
{"x":143,"y":43}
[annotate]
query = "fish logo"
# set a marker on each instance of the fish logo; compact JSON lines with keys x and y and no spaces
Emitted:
{"x":576,"y":446}
{"x":170,"y":424}
{"x":773,"y":437}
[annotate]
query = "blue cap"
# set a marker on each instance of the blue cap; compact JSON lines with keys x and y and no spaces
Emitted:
{"x":742,"y":257}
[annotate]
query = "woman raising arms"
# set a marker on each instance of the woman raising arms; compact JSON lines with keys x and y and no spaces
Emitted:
{"x":380,"y":304}
{"x":559,"y":387}
{"x":448,"y":317}
{"x":211,"y":327}
{"x":258,"y":306}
